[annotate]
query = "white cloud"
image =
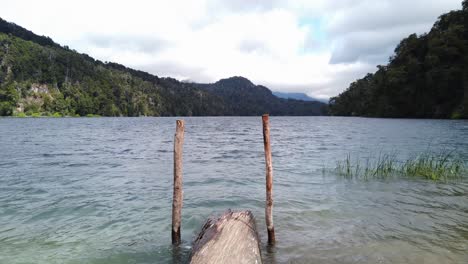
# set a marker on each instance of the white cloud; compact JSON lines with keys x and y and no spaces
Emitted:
{"x":317,"y":47}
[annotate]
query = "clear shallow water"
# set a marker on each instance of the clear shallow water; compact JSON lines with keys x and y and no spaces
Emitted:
{"x":100,"y":190}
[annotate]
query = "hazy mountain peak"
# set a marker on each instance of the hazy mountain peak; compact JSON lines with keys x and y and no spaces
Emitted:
{"x":298,"y":96}
{"x":236,"y":80}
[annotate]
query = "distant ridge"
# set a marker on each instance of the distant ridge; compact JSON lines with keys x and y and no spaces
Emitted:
{"x":40,"y":77}
{"x":298,"y":96}
{"x":242,"y":97}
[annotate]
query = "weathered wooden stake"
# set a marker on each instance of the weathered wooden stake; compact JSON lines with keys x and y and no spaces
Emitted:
{"x":177,"y":197}
{"x":269,"y":180}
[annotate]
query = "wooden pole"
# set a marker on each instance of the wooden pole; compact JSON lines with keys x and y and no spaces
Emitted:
{"x":269,"y":180}
{"x":177,"y":197}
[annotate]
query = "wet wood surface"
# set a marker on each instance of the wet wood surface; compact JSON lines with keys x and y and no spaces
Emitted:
{"x":269,"y":181}
{"x":177,"y":197}
{"x":231,"y":238}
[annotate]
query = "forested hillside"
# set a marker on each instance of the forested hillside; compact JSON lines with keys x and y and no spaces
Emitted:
{"x":427,"y":77}
{"x":40,"y":77}
{"x":242,"y":97}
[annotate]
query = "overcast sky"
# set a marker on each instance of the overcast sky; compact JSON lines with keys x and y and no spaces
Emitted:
{"x":313,"y":46}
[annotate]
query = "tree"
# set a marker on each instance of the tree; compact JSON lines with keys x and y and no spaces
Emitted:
{"x":425,"y":78}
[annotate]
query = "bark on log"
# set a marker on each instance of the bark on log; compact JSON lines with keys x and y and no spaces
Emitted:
{"x":232,"y":238}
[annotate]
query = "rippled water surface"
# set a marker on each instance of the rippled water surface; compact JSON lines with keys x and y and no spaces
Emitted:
{"x":99,"y":190}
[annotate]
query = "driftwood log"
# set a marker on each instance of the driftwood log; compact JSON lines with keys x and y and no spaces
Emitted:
{"x":232,"y":238}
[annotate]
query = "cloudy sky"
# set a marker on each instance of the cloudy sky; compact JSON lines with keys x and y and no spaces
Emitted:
{"x":313,"y":46}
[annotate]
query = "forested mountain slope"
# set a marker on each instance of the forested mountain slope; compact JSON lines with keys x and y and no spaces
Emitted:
{"x":242,"y":97}
{"x":427,"y":77}
{"x":40,"y":77}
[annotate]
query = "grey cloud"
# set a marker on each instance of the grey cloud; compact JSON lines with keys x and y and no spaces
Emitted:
{"x":243,"y":5}
{"x":328,"y":89}
{"x":216,"y":9}
{"x":342,"y":80}
{"x":143,"y":44}
{"x":368,"y":31}
{"x":250,"y":46}
{"x":367,"y":15}
{"x":170,"y":69}
{"x":364,"y":31}
{"x":371,"y":46}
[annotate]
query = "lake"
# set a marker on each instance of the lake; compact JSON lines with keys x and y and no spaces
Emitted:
{"x":99,"y":190}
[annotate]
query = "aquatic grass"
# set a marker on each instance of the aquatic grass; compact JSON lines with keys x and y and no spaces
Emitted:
{"x":435,"y":167}
{"x":56,"y":115}
{"x":20,"y":115}
{"x":92,"y":115}
{"x":382,"y":167}
{"x":431,"y":166}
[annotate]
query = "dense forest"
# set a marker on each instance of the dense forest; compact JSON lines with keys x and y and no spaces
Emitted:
{"x":41,"y":78}
{"x":427,"y":77}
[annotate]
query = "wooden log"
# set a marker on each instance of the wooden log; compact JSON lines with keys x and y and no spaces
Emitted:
{"x":177,"y":197}
{"x":269,"y":181}
{"x":232,"y":238}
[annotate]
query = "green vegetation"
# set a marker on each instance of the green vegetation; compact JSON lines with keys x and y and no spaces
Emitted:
{"x":39,"y":76}
{"x":44,"y":79}
{"x":427,"y":77}
{"x":56,"y":114}
{"x":436,"y":167}
{"x":20,"y":114}
{"x":91,"y":115}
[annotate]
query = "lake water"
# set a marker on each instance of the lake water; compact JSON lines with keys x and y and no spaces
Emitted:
{"x":99,"y":190}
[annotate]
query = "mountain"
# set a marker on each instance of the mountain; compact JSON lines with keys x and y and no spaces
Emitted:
{"x":297,"y":96}
{"x":242,"y":97}
{"x":40,"y":77}
{"x":427,"y":77}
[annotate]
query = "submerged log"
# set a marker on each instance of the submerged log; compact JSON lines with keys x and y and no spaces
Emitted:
{"x":232,"y":238}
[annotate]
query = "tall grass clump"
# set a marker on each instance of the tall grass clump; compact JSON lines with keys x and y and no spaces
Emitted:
{"x":436,"y":167}
{"x":383,"y":166}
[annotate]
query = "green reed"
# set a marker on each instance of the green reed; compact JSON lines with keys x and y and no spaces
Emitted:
{"x":431,"y":166}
